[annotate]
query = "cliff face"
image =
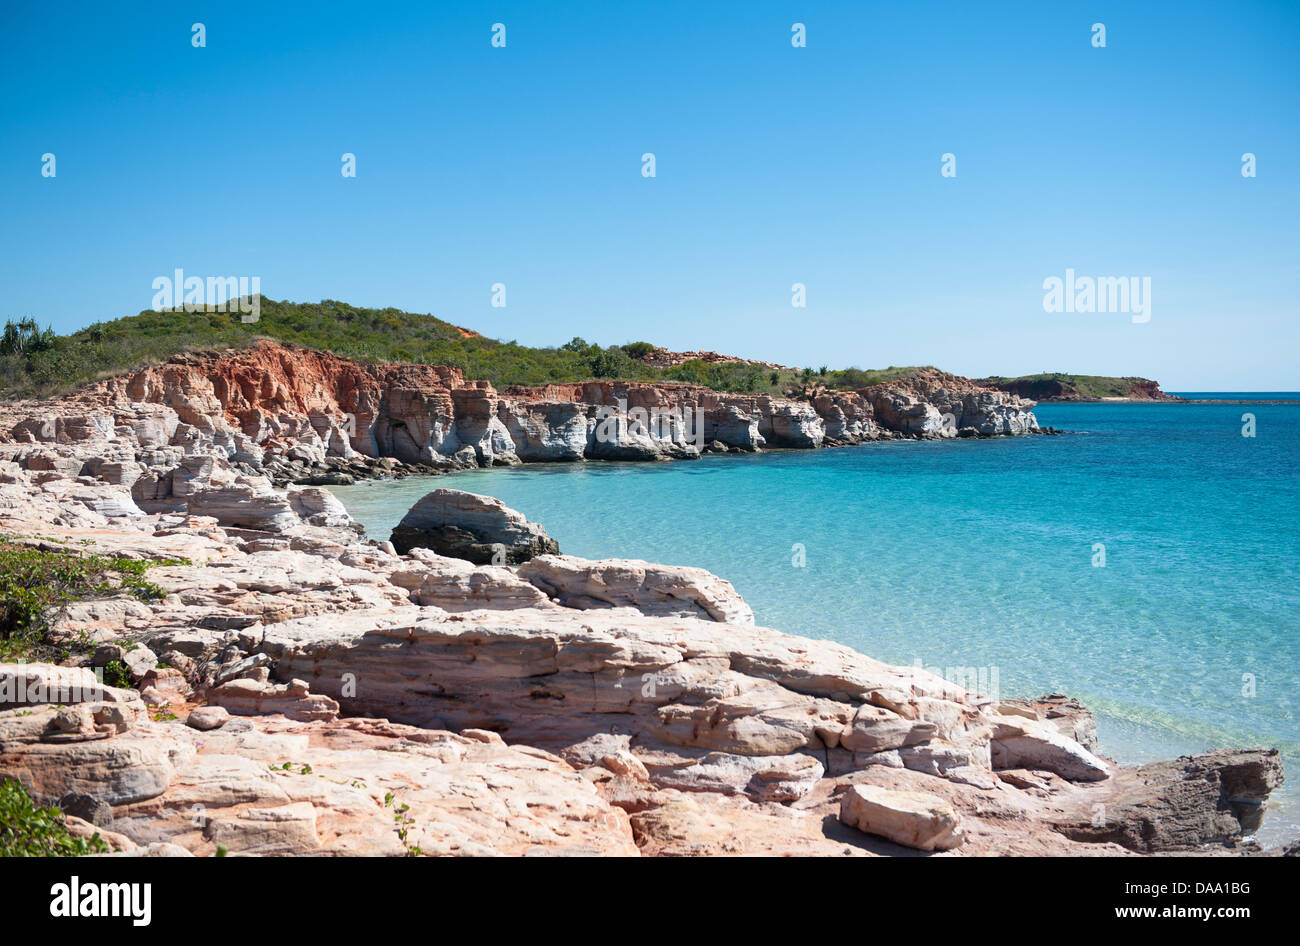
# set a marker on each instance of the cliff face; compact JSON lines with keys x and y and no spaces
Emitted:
{"x":277,"y":402}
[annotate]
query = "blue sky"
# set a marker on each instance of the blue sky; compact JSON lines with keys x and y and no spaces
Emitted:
{"x":775,"y":165}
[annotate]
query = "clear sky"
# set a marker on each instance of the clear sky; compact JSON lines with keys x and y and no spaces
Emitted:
{"x":775,"y":165}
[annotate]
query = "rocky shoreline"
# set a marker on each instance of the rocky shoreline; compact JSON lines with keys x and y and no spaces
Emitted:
{"x":294,"y":689}
{"x":310,"y":418}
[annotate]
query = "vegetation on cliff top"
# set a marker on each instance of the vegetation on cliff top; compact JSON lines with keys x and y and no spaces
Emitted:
{"x":36,"y":362}
{"x":1058,"y":385}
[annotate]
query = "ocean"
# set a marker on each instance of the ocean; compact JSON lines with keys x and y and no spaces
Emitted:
{"x":1144,"y":562}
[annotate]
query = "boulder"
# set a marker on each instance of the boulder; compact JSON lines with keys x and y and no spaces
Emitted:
{"x":206,"y":718}
{"x":913,"y":819}
{"x":1182,"y":804}
{"x":1020,"y":743}
{"x":246,"y":505}
{"x":479,"y":529}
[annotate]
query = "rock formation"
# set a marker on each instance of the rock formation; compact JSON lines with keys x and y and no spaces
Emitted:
{"x":276,"y":414}
{"x":301,"y":691}
{"x":479,"y":529}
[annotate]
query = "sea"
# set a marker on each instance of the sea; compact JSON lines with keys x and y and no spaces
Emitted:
{"x":1144,"y":561}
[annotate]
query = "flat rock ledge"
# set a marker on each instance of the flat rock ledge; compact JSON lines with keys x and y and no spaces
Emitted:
{"x":296,"y":688}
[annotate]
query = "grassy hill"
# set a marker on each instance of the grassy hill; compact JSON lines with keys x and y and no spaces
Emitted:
{"x":35,"y":362}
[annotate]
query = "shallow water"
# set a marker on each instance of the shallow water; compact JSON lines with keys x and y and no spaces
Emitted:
{"x":979,"y":556}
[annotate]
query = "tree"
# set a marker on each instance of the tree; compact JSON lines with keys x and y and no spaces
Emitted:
{"x":25,"y":337}
{"x":638,"y":349}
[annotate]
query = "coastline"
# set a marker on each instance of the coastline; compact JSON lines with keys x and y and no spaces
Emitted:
{"x":951,"y":632}
{"x":796,"y":725}
{"x":274,"y":640}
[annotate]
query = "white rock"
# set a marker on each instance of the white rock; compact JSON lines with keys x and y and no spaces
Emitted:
{"x":913,"y":819}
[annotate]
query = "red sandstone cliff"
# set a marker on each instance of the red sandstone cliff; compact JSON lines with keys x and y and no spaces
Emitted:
{"x":310,"y":406}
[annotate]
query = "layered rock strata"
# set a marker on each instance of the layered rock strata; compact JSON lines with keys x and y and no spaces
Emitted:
{"x":308,"y":417}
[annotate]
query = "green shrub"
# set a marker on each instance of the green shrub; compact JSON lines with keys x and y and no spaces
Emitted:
{"x":27,"y":830}
{"x":638,"y":349}
{"x":33,"y":580}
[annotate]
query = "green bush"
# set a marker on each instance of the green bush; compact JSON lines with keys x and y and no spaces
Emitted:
{"x":36,"y":363}
{"x":27,"y":830}
{"x":35,"y":579}
{"x":638,"y":349}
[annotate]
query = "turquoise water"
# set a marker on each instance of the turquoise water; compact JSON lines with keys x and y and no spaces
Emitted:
{"x":979,"y":554}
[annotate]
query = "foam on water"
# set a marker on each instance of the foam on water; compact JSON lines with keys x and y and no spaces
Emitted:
{"x":979,"y":555}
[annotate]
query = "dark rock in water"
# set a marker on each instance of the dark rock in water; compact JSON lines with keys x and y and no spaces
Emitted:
{"x":87,"y":808}
{"x":1210,"y":798}
{"x":331,"y":478}
{"x":477,"y":528}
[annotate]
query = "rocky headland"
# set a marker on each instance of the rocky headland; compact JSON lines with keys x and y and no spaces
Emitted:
{"x":1065,"y":388}
{"x":294,"y":689}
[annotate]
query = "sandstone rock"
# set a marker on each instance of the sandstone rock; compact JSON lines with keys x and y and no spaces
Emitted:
{"x":88,"y":808}
{"x":319,"y":507}
{"x":245,"y":697}
{"x":103,"y":618}
{"x":34,"y":684}
{"x":611,"y":751}
{"x":912,"y":819}
{"x":287,"y":829}
{"x":1185,"y":803}
{"x":168,"y":683}
{"x":762,"y":778}
{"x":454,"y":584}
{"x":111,"y":768}
{"x":546,"y":431}
{"x":477,"y":528}
{"x":139,"y":661}
{"x":1021,"y":743}
{"x":353,"y":784}
{"x":206,"y":718}
{"x":657,"y":590}
{"x":247,"y":505}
